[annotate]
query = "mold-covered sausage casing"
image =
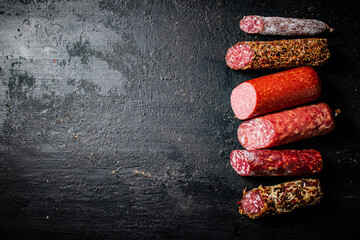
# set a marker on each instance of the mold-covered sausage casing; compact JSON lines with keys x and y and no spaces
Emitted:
{"x":275,"y":92}
{"x":281,"y":26}
{"x":278,"y":54}
{"x":287,"y":126}
{"x":276,"y":162}
{"x":281,"y":198}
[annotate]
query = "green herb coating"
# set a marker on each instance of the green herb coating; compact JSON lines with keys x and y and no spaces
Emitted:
{"x":286,"y":197}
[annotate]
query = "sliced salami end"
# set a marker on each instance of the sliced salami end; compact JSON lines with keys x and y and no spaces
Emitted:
{"x":240,"y":163}
{"x":252,"y":204}
{"x":252,"y":24}
{"x":239,"y":56}
{"x":243,"y":100}
{"x":255,"y":134}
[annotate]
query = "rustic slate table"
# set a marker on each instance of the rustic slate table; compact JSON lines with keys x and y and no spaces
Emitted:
{"x":115,"y":121}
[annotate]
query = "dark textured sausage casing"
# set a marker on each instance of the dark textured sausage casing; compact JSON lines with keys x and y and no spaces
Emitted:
{"x":278,"y":54}
{"x":276,"y":162}
{"x":275,"y":92}
{"x":281,"y":198}
{"x":281,"y":26}
{"x":287,"y":126}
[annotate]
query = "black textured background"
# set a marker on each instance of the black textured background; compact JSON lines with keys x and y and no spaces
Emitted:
{"x":115,"y":121}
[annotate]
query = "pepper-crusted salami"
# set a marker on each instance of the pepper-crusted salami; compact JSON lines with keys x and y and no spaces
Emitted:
{"x":281,"y":198}
{"x":278,"y":54}
{"x":283,"y":26}
{"x":275,"y":92}
{"x":287,"y":126}
{"x":276,"y":162}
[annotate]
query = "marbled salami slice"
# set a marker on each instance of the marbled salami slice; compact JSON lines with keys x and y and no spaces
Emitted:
{"x":283,"y":26}
{"x":275,"y":92}
{"x":287,"y":126}
{"x":252,"y":24}
{"x":276,"y":162}
{"x":278,"y":54}
{"x":252,"y":203}
{"x":240,"y":56}
{"x":281,"y":198}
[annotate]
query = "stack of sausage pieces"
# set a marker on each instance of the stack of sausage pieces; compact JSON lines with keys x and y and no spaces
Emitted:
{"x":268,"y":106}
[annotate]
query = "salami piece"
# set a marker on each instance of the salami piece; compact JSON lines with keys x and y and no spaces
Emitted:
{"x":281,"y":198}
{"x":276,"y":162}
{"x":275,"y":92}
{"x":283,"y":26}
{"x":287,"y":126}
{"x":278,"y":54}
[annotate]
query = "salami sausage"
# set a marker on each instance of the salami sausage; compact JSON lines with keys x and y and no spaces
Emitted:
{"x":278,"y":54}
{"x":275,"y":92}
{"x":276,"y":162}
{"x":281,"y":198}
{"x":283,"y":26}
{"x":287,"y":126}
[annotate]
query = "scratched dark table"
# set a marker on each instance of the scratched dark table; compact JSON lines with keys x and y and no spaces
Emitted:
{"x":115,"y":121}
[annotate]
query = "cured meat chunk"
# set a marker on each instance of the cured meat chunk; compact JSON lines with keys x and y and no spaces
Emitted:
{"x":278,"y":54}
{"x":287,"y":126}
{"x":276,"y":162}
{"x":275,"y":92}
{"x":283,"y":26}
{"x":281,"y":198}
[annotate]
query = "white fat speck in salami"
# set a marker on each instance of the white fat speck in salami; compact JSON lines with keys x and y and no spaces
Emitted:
{"x":283,"y":26}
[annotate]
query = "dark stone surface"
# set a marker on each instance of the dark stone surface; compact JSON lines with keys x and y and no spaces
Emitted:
{"x":115,"y":121}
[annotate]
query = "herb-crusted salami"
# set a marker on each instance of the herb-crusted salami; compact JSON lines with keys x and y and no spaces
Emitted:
{"x":254,"y":24}
{"x":278,"y":54}
{"x":275,"y":92}
{"x":287,"y":126}
{"x":281,"y":198}
{"x":276,"y":162}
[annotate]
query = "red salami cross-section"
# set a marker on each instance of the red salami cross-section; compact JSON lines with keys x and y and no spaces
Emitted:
{"x":275,"y":92}
{"x":276,"y":162}
{"x":287,"y":126}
